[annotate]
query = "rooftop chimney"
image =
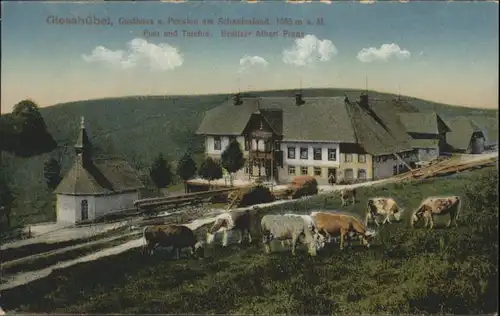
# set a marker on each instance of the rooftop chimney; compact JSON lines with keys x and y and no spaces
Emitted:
{"x":237,"y":99}
{"x":298,"y":99}
{"x":363,"y":101}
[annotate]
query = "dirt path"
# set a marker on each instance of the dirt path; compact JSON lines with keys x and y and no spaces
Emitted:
{"x":63,"y":250}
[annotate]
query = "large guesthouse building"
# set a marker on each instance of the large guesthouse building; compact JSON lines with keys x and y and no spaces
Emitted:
{"x":353,"y":140}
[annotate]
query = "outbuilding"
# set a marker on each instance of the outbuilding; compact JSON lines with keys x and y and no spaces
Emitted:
{"x":93,"y":188}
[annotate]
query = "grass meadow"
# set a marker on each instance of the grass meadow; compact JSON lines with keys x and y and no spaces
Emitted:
{"x":407,"y":270}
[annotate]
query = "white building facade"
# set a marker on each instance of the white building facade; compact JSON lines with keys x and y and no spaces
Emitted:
{"x":318,"y":160}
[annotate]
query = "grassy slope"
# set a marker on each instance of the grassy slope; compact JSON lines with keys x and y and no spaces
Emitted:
{"x":137,"y":128}
{"x":406,"y":271}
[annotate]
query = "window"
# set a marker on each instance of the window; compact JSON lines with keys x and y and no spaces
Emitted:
{"x":401,"y":168}
{"x":395,"y":169}
{"x":303,"y":153}
{"x":348,"y":157}
{"x":361,"y":174}
{"x":361,"y":158}
{"x":348,"y":174}
{"x":247,"y":169}
{"x":84,"y":210}
{"x":217,"y":143}
{"x":303,"y":171}
{"x":291,"y":170}
{"x":231,"y":138}
{"x":267,"y":146}
{"x":332,"y":154}
{"x":317,"y":154}
{"x":317,"y":171}
{"x":377,"y":159}
{"x":291,"y":152}
{"x":246,"y":144}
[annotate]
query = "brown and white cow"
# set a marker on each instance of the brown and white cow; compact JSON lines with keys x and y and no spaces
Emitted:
{"x":437,"y":205}
{"x":343,"y":225}
{"x":347,"y":194}
{"x":176,"y":236}
{"x":240,"y":221}
{"x":382,"y":206}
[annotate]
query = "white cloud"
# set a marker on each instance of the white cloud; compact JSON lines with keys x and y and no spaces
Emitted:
{"x":139,"y":53}
{"x":306,"y":49}
{"x":384,"y":53}
{"x":247,"y":62}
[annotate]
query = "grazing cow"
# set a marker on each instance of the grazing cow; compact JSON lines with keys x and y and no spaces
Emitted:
{"x":347,"y":194}
{"x":236,"y":220}
{"x":343,"y":225}
{"x":176,"y":236}
{"x":437,"y":205}
{"x":294,"y":227}
{"x":382,"y":206}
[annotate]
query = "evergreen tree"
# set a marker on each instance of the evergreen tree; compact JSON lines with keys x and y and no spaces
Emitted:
{"x":186,"y":169}
{"x":232,"y":158}
{"x":161,"y":172}
{"x":31,"y":135}
{"x":52,"y":173}
{"x":210,"y":170}
{"x":6,"y":196}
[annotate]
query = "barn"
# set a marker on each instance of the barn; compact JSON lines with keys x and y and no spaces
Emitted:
{"x":428,"y":133}
{"x":95,"y":187}
{"x":466,"y":135}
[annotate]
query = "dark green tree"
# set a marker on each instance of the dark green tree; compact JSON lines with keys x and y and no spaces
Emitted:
{"x":52,"y":173}
{"x":25,"y":131}
{"x":210,"y":170}
{"x":161,"y":172}
{"x":232,"y":158}
{"x":186,"y":169}
{"x":6,"y":196}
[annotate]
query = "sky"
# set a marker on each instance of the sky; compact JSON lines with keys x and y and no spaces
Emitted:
{"x":440,"y":51}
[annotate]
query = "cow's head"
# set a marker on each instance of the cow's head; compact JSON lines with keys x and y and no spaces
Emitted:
{"x":368,"y":237}
{"x":210,"y":238}
{"x":219,"y":223}
{"x":417,"y":215}
{"x":318,"y":242}
{"x":397,"y":215}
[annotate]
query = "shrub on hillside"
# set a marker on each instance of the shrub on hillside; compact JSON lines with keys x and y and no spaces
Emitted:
{"x":256,"y":195}
{"x":308,"y":188}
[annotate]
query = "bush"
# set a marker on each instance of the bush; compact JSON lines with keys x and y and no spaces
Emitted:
{"x":309,"y":188}
{"x":256,"y":195}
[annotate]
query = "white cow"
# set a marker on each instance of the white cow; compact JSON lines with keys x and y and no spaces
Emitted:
{"x":294,"y":227}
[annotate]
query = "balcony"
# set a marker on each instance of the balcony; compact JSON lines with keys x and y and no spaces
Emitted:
{"x":261,"y":154}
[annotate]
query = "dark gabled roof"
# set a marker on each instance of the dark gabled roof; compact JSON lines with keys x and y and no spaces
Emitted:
{"x":274,"y":117}
{"x":321,"y":119}
{"x":462,"y":129}
{"x":422,"y":122}
{"x":102,"y":176}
